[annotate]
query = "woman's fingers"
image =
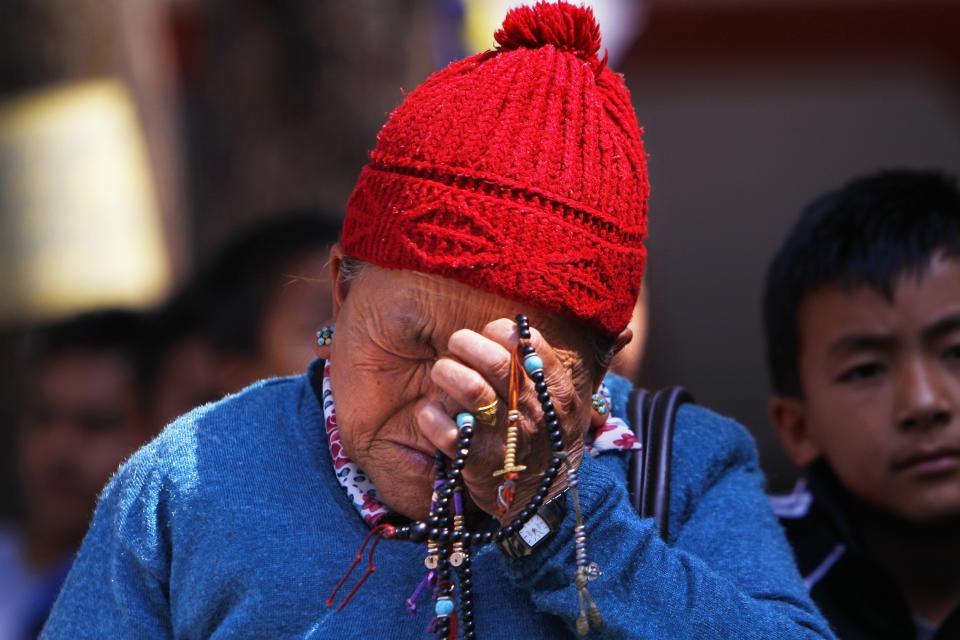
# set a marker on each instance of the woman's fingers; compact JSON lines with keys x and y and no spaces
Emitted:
{"x":489,"y":353}
{"x":490,"y":358}
{"x":438,"y":427}
{"x":465,"y":386}
{"x":485,"y":452}
{"x":560,"y":385}
{"x":476,"y":374}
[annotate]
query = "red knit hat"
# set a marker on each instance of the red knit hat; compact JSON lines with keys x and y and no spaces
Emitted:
{"x":519,"y":171}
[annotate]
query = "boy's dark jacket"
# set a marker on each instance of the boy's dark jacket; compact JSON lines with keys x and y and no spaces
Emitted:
{"x":856,"y":596}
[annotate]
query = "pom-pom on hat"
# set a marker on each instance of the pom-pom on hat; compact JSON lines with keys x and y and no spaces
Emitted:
{"x":519,"y":171}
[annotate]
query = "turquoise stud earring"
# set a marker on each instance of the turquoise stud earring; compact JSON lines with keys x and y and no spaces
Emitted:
{"x":325,"y":336}
{"x":600,"y":404}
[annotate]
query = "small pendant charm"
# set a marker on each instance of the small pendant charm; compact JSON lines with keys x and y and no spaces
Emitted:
{"x":431,"y":562}
{"x":592,"y":571}
{"x":456,"y":558}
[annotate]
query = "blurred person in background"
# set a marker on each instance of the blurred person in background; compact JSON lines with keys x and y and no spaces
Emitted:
{"x":82,"y":414}
{"x":181,"y":368}
{"x":251,"y":313}
{"x":862,"y":312}
{"x":263,"y":296}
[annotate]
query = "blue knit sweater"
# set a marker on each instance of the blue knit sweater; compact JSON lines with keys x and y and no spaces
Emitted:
{"x":231,"y":524}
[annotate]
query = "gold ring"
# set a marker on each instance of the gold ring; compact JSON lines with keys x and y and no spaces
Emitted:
{"x":487,"y":414}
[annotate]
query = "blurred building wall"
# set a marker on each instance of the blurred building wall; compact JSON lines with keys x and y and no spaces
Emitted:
{"x":282,"y":100}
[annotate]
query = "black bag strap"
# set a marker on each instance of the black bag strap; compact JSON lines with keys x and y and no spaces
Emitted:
{"x":654,"y":415}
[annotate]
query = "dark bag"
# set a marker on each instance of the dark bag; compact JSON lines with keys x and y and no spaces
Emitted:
{"x":653,"y":415}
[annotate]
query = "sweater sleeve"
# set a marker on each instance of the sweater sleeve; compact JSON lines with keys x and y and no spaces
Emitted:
{"x":118,"y":585}
{"x":726,"y":571}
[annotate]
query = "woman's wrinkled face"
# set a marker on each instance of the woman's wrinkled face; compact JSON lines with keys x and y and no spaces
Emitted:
{"x":391,"y":327}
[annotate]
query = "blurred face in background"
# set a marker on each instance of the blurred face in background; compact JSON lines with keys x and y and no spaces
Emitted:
{"x":297,"y":308}
{"x":297,"y":304}
{"x":82,"y":418}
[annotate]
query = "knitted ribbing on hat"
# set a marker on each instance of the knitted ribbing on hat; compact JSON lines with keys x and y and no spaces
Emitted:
{"x":519,"y":171}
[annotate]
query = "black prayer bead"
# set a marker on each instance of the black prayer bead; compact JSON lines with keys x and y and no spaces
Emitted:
{"x":418,"y":531}
{"x":547,"y":406}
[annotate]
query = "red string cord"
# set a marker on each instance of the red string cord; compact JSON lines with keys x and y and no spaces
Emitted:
{"x":380,"y":531}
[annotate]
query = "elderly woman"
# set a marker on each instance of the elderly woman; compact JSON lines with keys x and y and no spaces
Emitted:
{"x":498,"y":227}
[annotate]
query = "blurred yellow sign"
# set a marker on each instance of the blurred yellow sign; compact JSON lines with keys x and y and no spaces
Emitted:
{"x":79,"y":223}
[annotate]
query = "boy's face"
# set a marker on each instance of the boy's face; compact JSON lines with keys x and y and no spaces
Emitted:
{"x":881,"y":384}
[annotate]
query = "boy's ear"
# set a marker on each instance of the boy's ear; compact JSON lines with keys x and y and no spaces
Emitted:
{"x":788,"y":415}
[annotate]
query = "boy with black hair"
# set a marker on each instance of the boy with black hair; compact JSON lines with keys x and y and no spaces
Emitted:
{"x":862,"y":315}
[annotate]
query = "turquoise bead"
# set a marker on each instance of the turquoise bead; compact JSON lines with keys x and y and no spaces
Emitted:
{"x":464,"y":419}
{"x":444,"y":607}
{"x":532,"y":363}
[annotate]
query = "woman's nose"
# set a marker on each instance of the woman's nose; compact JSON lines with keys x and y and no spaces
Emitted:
{"x":923,"y":398}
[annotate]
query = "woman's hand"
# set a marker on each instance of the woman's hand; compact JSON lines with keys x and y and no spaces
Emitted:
{"x":478,"y":373}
